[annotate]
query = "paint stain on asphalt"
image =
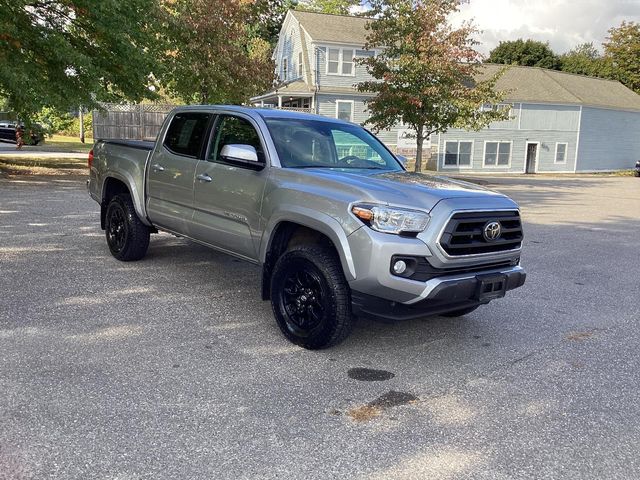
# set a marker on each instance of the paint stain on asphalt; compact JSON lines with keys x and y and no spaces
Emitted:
{"x":369,"y":374}
{"x":364,"y":413}
{"x":371,"y":410}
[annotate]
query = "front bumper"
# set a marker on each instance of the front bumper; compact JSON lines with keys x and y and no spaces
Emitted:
{"x":440,"y":282}
{"x":441,"y":295}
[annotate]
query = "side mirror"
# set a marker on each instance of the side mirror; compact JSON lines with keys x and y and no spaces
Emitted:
{"x":402,"y":159}
{"x":242,"y":156}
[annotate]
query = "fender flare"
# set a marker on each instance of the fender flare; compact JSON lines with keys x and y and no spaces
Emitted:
{"x":315,"y":220}
{"x":136,"y":195}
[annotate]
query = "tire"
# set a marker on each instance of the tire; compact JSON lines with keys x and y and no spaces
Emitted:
{"x":127,"y":236}
{"x":459,"y":313}
{"x":310,"y":297}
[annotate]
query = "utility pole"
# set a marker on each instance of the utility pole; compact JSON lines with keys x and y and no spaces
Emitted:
{"x":81,"y":124}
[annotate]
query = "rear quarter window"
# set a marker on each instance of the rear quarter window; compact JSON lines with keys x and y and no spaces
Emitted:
{"x":186,"y":133}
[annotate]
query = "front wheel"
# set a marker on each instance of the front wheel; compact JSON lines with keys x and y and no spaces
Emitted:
{"x":311,"y":298}
{"x":127,"y":236}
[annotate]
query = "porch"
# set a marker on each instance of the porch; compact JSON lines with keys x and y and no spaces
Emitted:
{"x":294,"y":96}
{"x":294,"y":104}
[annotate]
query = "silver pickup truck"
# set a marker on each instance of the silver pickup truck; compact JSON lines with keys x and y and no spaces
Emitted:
{"x":337,"y":224}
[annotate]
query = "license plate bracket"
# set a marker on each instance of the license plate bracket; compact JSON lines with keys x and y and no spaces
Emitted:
{"x":491,"y":286}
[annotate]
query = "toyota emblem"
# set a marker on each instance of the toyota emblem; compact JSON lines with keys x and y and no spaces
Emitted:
{"x":492,"y":231}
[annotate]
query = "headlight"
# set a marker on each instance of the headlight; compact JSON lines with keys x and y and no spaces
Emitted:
{"x":391,"y":219}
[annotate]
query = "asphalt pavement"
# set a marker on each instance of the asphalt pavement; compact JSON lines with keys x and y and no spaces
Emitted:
{"x":173,"y":368}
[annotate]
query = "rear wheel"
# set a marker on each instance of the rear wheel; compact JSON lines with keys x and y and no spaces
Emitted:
{"x":311,"y":298}
{"x":459,"y":313}
{"x":127,"y":236}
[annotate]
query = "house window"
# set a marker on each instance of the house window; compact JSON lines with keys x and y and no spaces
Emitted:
{"x":458,"y":154}
{"x":365,"y":53}
{"x":340,"y":61}
{"x":497,"y":154}
{"x":347,"y":62}
{"x":300,"y":66}
{"x":561,"y":153}
{"x":500,"y":107}
{"x":344,"y":110}
{"x":284,"y":68}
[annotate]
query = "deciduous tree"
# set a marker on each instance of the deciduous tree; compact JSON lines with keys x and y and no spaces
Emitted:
{"x":622,"y":54}
{"x":529,"y":53}
{"x":583,"y":59}
{"x":213,"y":55}
{"x":335,"y":7}
{"x":267,"y":17}
{"x":425,"y":74}
{"x":69,"y":52}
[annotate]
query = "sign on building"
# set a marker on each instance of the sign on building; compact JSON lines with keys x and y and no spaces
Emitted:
{"x":407,"y":139}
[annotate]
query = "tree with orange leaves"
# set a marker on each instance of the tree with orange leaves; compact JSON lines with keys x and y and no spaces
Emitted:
{"x":213,"y":57}
{"x":425,"y":74}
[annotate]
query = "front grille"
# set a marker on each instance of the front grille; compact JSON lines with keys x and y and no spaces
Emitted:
{"x":463,"y":234}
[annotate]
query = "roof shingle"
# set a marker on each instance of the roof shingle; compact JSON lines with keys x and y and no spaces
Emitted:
{"x":323,"y":27}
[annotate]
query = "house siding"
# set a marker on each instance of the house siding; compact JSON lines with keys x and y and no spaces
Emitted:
{"x":327,"y":108}
{"x":519,"y":138}
{"x":565,"y":118}
{"x":609,"y":139}
{"x":546,"y":125}
{"x":289,"y":45}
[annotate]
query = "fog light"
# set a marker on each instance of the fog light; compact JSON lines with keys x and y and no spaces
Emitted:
{"x":399,"y":267}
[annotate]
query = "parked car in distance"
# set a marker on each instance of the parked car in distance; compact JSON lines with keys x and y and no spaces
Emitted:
{"x":8,"y":132}
{"x":337,"y":224}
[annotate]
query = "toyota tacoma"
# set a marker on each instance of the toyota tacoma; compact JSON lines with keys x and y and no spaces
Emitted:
{"x":338,"y":225}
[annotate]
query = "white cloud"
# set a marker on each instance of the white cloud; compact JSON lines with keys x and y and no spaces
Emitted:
{"x":562,"y":23}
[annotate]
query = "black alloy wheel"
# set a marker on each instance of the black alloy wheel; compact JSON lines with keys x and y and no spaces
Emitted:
{"x":303,"y":298}
{"x":116,"y":228}
{"x":310,"y":297}
{"x":127,"y":236}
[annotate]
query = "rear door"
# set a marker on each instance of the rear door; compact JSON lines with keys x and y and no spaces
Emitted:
{"x":172,"y":169}
{"x":228,"y":197}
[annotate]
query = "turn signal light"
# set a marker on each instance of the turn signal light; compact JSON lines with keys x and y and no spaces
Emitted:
{"x":90,"y":159}
{"x":363,"y":213}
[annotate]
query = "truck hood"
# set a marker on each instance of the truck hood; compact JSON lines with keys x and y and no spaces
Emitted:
{"x":398,"y":188}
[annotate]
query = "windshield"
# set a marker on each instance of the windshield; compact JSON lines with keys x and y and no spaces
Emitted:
{"x":320,"y":144}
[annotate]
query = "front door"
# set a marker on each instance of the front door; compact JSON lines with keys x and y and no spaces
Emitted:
{"x":172,"y":169}
{"x":228,"y":198}
{"x":532,"y":156}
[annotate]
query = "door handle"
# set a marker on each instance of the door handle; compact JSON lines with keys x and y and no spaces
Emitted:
{"x":157,"y":167}
{"x":203,"y":177}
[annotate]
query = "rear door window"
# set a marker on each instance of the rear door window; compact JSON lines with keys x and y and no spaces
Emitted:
{"x":186,"y":133}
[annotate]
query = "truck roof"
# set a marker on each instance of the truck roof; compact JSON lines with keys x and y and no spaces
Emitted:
{"x":263,"y":112}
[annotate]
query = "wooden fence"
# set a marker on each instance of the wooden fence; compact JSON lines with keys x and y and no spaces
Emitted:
{"x":131,"y":122}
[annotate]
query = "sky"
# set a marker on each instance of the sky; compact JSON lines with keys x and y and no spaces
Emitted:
{"x":563,"y":23}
